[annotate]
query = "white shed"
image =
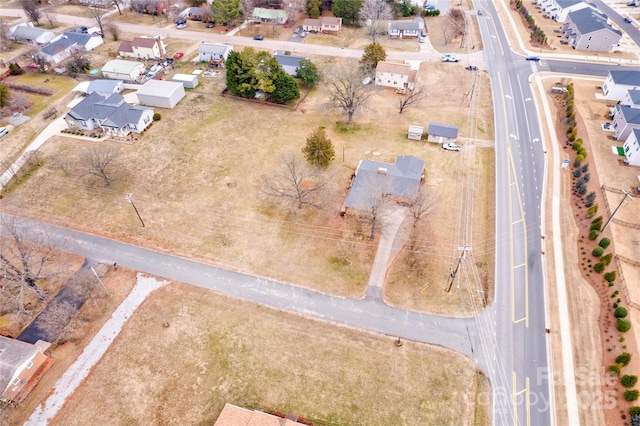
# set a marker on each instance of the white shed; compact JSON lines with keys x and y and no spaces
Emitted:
{"x":415,"y":132}
{"x":119,"y":69}
{"x":189,"y":81}
{"x":160,"y":93}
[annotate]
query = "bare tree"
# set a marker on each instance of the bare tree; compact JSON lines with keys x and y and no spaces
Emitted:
{"x":98,"y":15}
{"x":412,"y":97}
{"x":62,"y":162}
{"x":375,"y":204}
{"x":31,"y":10}
{"x":247,"y":7}
{"x":113,"y":30}
{"x":295,"y":182}
{"x":24,"y":256}
{"x":423,"y":205}
{"x":375,"y":12}
{"x":5,"y":37}
{"x":292,"y":13}
{"x":42,"y":64}
{"x":456,"y":24}
{"x":50,"y":16}
{"x":346,"y":89}
{"x":56,"y":317}
{"x":99,"y":164}
{"x":118,"y":5}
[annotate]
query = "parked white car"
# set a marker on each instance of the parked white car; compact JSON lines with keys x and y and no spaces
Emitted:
{"x":451,"y":147}
{"x":450,"y":58}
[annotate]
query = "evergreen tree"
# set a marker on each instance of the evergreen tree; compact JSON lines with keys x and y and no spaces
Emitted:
{"x":314,"y":7}
{"x":308,"y":73}
{"x":319,"y":150}
{"x":373,"y":53}
{"x":348,"y":10}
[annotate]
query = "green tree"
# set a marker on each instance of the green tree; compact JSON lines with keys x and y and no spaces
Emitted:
{"x":373,"y":53}
{"x":319,"y":150}
{"x":314,"y":7}
{"x":624,"y":358}
{"x":348,"y":10}
{"x":629,"y":381}
{"x":623,"y":325}
{"x":225,"y":11}
{"x":286,"y":87}
{"x":604,"y":243}
{"x":631,"y":395}
{"x":4,"y":95}
{"x":620,"y":312}
{"x":308,"y":72}
{"x":241,"y":76}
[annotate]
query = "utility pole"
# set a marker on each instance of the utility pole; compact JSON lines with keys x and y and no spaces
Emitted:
{"x":100,"y":280}
{"x":452,"y":275}
{"x":626,"y":194}
{"x":130,"y":200}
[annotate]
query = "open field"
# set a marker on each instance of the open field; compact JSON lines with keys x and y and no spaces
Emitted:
{"x":227,"y":350}
{"x":199,"y":194}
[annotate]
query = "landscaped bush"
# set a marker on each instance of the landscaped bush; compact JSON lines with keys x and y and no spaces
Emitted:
{"x":592,"y":211}
{"x":620,"y":312}
{"x":623,"y":325}
{"x":593,"y":234}
{"x":157,"y":116}
{"x":631,"y":395}
{"x":597,"y":252}
{"x":634,"y":411}
{"x":610,"y":276}
{"x":15,"y":69}
{"x":624,"y":358}
{"x":604,"y":243}
{"x":629,"y":381}
{"x":614,"y":369}
{"x":577,"y":173}
{"x":606,"y":259}
{"x":598,"y":267}
{"x":580,"y":157}
{"x":576,"y":145}
{"x":582,"y":189}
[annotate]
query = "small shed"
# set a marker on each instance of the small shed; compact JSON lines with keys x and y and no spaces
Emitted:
{"x":415,"y":132}
{"x":160,"y":93}
{"x":189,"y":81}
{"x":442,"y":133}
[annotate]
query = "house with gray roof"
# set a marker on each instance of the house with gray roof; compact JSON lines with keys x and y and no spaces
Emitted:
{"x":63,"y":45}
{"x":631,"y":148}
{"x":588,"y":29}
{"x":404,"y":29}
{"x":214,"y":53}
{"x":21,"y":367}
{"x":399,"y":181}
{"x":109,"y":114}
{"x":289,"y":63}
{"x":558,"y":10}
{"x":29,"y":34}
{"x":442,"y":133}
{"x":625,"y":119}
{"x":619,"y":82}
{"x":105,"y":88}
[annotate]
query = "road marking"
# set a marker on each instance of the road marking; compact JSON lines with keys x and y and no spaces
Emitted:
{"x":520,"y":265}
{"x":527,"y":400}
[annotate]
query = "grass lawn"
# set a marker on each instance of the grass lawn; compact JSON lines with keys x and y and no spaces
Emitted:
{"x":225,"y":350}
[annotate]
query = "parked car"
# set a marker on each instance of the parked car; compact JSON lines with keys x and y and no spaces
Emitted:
{"x":178,"y":55}
{"x":366,"y":80}
{"x":450,"y":58}
{"x":628,"y":20}
{"x":533,"y":58}
{"x":303,"y":34}
{"x":3,"y":131}
{"x":179,"y":21}
{"x":297,"y":30}
{"x":210,"y":25}
{"x":258,"y":37}
{"x":83,"y":30}
{"x":451,"y":147}
{"x":480,"y":12}
{"x":420,"y":39}
{"x":181,"y":26}
{"x":471,"y":68}
{"x":423,"y":33}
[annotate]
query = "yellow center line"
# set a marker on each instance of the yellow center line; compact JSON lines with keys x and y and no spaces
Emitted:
{"x":520,"y":265}
{"x":527,"y":405}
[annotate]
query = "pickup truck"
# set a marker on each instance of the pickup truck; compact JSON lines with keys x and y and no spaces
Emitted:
{"x":451,"y":147}
{"x":449,"y":58}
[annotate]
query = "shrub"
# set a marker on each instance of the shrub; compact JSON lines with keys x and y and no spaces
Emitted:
{"x":582,"y":189}
{"x":157,"y":116}
{"x":15,"y":69}
{"x":631,"y":395}
{"x":604,"y":243}
{"x":606,"y":259}
{"x":623,"y":325}
{"x":597,"y":252}
{"x":614,"y":369}
{"x":634,"y":411}
{"x":598,"y":267}
{"x":576,"y":145}
{"x":615,"y":305}
{"x":577,"y":173}
{"x":583,"y":153}
{"x":592,"y":211}
{"x":593,"y":234}
{"x":569,"y":129}
{"x":610,"y":276}
{"x":585,"y":168}
{"x":624,"y":358}
{"x":620,"y":312}
{"x":580,"y":157}
{"x":586,"y":177}
{"x":576,"y":162}
{"x":629,"y":381}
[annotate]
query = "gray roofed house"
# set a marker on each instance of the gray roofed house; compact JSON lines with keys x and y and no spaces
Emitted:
{"x":289,"y":63}
{"x":619,"y":82}
{"x":214,"y":53}
{"x":559,"y":9}
{"x":32,"y":35}
{"x":62,"y":46}
{"x":442,"y":133}
{"x":21,"y":366}
{"x":625,"y":119}
{"x":404,"y":29}
{"x":105,"y":87}
{"x":400,"y":180}
{"x":632,"y":98}
{"x":110,"y":114}
{"x":588,"y":29}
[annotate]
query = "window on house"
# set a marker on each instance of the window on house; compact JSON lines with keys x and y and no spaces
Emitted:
{"x":627,"y":148}
{"x":16,"y":380}
{"x":29,"y":364}
{"x":589,"y":38}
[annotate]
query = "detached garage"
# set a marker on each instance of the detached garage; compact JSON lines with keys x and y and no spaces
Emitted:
{"x":160,"y":93}
{"x":189,"y":81}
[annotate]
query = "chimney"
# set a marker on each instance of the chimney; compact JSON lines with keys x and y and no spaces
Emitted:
{"x":382,"y":170}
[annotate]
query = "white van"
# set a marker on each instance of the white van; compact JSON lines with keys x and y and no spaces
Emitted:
{"x":3,"y":131}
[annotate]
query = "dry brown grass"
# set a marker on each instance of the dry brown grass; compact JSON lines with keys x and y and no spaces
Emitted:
{"x":219,"y":350}
{"x":194,"y":177}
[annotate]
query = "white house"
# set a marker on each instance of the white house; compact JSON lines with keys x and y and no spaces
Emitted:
{"x":625,"y":119}
{"x":110,"y":114}
{"x":311,"y":25}
{"x":214,"y":53}
{"x":558,"y":10}
{"x":27,"y":33}
{"x":105,"y":88}
{"x":189,"y":81}
{"x":160,"y":93}
{"x":21,"y":367}
{"x":631,"y":148}
{"x":588,"y":29}
{"x":326,"y":25}
{"x":119,"y":69}
{"x":632,"y":98}
{"x":404,"y":29}
{"x":63,"y":45}
{"x":143,"y":48}
{"x":619,"y":82}
{"x":395,"y":75}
